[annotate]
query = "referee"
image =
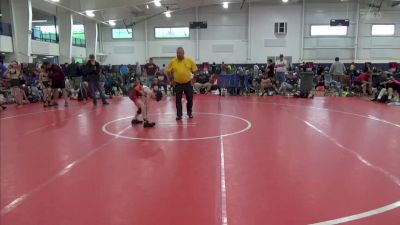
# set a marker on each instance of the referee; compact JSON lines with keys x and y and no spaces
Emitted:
{"x":181,"y":68}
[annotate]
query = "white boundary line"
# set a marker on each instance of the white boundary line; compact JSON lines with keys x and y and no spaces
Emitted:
{"x":224,"y":214}
{"x":361,"y":215}
{"x":319,"y":108}
{"x":390,"y":176}
{"x":18,"y":201}
{"x":249,"y":125}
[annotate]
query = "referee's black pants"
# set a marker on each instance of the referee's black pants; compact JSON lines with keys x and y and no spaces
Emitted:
{"x":186,"y":88}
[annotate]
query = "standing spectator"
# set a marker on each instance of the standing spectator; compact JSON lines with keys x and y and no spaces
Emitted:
{"x":337,"y":68}
{"x":213,"y":68}
{"x":82,"y":91}
{"x":182,"y":68}
{"x":3,"y":70}
{"x":57,"y":77}
{"x":150,"y":70}
{"x":270,"y":69}
{"x":138,"y":70}
{"x":223,"y":69}
{"x":281,"y":69}
{"x":93,"y":74}
{"x":13,"y":75}
{"x":44,"y":80}
{"x":72,"y":71}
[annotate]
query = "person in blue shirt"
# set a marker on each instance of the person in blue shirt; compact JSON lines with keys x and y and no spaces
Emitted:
{"x":3,"y":70}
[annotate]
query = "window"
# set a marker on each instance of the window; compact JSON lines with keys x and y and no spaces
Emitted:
{"x":382,"y":30}
{"x":171,"y":32}
{"x":46,"y":33}
{"x":78,"y":35}
{"x":122,"y":33}
{"x":327,"y":30}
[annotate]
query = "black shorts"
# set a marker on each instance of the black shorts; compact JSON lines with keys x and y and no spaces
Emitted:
{"x":56,"y":84}
{"x":15,"y":83}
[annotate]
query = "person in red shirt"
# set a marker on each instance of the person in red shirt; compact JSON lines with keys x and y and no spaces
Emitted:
{"x":393,"y":85}
{"x":365,"y":80}
{"x":141,"y":96}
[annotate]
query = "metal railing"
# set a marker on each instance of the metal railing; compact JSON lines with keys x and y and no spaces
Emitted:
{"x":5,"y":29}
{"x":78,"y":42}
{"x":44,"y":36}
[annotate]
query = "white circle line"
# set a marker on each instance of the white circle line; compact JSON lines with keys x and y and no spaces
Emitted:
{"x":249,"y":125}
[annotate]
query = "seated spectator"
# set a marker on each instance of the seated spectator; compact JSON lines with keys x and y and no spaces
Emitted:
{"x":365,"y":80}
{"x":393,"y":85}
{"x":214,"y":81}
{"x":288,"y":84}
{"x":162,"y":81}
{"x":202,"y":81}
{"x":379,"y":87}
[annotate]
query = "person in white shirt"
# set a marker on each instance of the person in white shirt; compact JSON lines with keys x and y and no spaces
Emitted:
{"x":281,"y":69}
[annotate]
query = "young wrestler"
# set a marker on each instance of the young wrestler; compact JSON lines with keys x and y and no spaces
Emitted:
{"x":141,"y":96}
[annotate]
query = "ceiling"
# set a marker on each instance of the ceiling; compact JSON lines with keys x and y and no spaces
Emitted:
{"x":118,"y":10}
{"x":122,"y":9}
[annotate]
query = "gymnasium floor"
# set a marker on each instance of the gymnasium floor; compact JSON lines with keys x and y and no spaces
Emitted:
{"x":240,"y":161}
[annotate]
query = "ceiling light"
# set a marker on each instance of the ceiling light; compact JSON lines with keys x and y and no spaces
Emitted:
{"x":90,"y":13}
{"x":225,"y":5}
{"x":157,"y":3}
{"x":147,"y":6}
{"x":285,"y":1}
{"x":55,"y":0}
{"x":112,"y":22}
{"x":168,"y":14}
{"x":50,"y":56}
{"x":39,"y":21}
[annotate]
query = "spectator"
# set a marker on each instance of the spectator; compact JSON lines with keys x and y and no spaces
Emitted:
{"x":223,"y":69}
{"x":202,"y":81}
{"x":281,"y":69}
{"x":13,"y":76}
{"x":44,"y":80}
{"x":150,"y":70}
{"x":162,"y":81}
{"x":393,"y":85}
{"x":337,"y":68}
{"x":3,"y":70}
{"x":57,"y":77}
{"x":288,"y":84}
{"x":213,"y":68}
{"x":72,"y":72}
{"x":365,"y":80}
{"x":270,"y":69}
{"x":267,"y":85}
{"x":214,"y":81}
{"x":93,"y":70}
